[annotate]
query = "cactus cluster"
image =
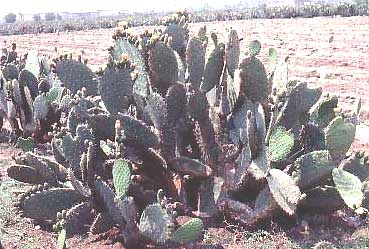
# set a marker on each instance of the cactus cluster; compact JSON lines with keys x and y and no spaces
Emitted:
{"x":166,"y":129}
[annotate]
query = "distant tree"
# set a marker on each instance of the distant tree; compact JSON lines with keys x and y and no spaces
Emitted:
{"x":50,"y":17}
{"x":361,"y":2}
{"x":10,"y":18}
{"x":37,"y":18}
{"x":59,"y":17}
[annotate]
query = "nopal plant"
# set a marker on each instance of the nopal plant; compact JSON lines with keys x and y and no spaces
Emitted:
{"x":174,"y":126}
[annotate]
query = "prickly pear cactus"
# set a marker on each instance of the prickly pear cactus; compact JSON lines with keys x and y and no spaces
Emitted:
{"x":189,"y":231}
{"x":339,"y":136}
{"x":76,"y":75}
{"x":195,"y":58}
{"x":213,"y":68}
{"x":163,"y":66}
{"x":121,"y":177}
{"x":116,"y":87}
{"x":155,"y":223}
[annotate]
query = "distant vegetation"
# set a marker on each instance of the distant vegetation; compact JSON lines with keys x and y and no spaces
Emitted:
{"x":53,"y":22}
{"x":10,"y":18}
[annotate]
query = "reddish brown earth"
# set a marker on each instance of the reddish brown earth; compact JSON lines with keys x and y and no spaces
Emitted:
{"x":340,"y":67}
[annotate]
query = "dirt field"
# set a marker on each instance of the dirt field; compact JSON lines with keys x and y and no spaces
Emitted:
{"x":340,"y":67}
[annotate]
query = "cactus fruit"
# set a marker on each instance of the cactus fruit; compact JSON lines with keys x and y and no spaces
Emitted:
{"x":189,"y":231}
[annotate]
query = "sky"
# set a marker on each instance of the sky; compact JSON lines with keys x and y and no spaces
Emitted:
{"x":42,"y":6}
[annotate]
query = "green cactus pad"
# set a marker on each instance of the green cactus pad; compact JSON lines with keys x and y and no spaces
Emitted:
{"x":195,"y":58}
{"x":253,"y":80}
{"x":349,"y":186}
{"x":313,"y":168}
{"x":40,"y":107}
{"x":116,"y":89}
{"x":280,"y":77}
{"x":190,"y":231}
{"x":163,"y":67}
{"x":26,"y":144}
{"x":339,"y":136}
{"x":46,"y":204}
{"x":121,"y":177}
{"x":254,"y":48}
{"x":77,"y":185}
{"x":62,"y":239}
{"x":23,"y":173}
{"x":198,"y":106}
{"x":76,"y":75}
{"x":284,"y":190}
{"x":10,"y":72}
{"x":155,"y":223}
{"x":280,"y":144}
{"x":232,"y":52}
{"x":188,"y":166}
{"x":213,"y":69}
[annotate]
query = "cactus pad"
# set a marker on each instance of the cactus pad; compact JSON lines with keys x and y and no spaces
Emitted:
{"x":61,"y":239}
{"x":40,"y":107}
{"x":232,"y":52}
{"x":313,"y":168}
{"x":155,"y":223}
{"x":46,"y":204}
{"x":76,"y":75}
{"x":254,"y":48}
{"x":27,"y":144}
{"x":284,"y":190}
{"x":213,"y":69}
{"x":339,"y":136}
{"x":121,"y":177}
{"x":349,"y":186}
{"x":195,"y":58}
{"x":163,"y":67}
{"x":280,"y":144}
{"x":25,"y":173}
{"x":116,"y":89}
{"x":189,"y":231}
